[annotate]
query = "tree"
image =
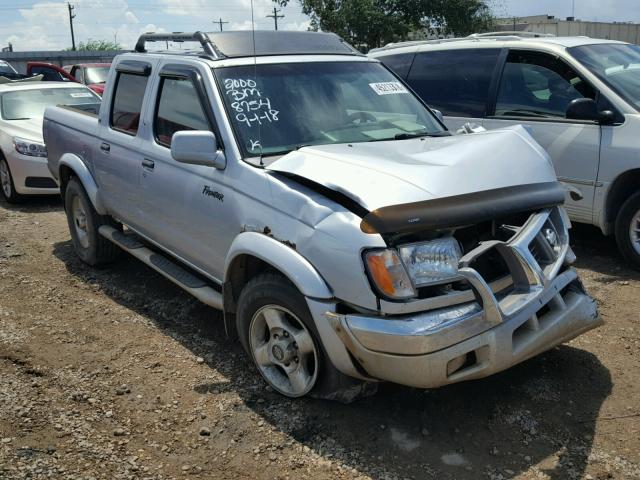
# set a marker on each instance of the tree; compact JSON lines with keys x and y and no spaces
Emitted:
{"x":373,"y":23}
{"x":98,"y":45}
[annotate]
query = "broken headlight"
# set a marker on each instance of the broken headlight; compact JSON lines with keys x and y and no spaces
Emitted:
{"x":431,"y":262}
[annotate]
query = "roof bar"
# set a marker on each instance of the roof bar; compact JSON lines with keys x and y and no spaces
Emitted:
{"x":201,"y":37}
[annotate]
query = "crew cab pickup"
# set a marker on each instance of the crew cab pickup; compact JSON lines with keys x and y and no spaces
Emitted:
{"x":299,"y":187}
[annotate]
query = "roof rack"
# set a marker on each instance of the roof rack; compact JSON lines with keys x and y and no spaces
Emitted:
{"x":210,"y":50}
{"x":474,"y":36}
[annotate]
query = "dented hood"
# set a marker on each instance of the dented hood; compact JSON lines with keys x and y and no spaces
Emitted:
{"x":381,"y":174}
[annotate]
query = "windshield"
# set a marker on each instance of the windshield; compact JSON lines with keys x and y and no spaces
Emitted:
{"x":617,"y":65}
{"x":96,"y":75}
{"x":277,"y":108}
{"x":26,"y":104}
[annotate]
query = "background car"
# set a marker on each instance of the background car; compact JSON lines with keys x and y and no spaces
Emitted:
{"x":93,"y":75}
{"x":579,"y":98}
{"x":23,"y":155}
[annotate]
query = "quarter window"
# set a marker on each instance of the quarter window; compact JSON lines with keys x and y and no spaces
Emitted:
{"x":127,"y":102}
{"x":456,"y":82}
{"x":179,"y":109}
{"x":538,"y":85}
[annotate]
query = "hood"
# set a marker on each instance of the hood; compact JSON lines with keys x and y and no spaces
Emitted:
{"x":381,"y":174}
{"x":30,"y":129}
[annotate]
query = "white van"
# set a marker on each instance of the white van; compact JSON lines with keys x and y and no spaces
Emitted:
{"x":579,"y":97}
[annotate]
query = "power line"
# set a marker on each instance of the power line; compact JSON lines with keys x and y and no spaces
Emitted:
{"x":220,"y":22}
{"x":275,"y":16}
{"x":71,"y":17}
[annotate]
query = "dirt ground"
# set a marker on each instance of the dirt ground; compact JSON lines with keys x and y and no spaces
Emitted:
{"x":116,"y":373}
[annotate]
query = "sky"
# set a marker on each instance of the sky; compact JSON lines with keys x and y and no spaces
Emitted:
{"x":44,"y":25}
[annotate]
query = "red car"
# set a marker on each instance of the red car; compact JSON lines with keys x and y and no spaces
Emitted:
{"x":92,"y":75}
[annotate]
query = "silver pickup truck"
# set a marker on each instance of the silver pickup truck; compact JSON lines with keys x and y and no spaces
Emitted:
{"x":302,"y":189}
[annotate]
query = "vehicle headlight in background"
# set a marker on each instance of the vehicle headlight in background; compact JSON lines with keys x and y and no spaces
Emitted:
{"x":431,"y":262}
{"x":29,"y":147}
{"x":388,"y":274}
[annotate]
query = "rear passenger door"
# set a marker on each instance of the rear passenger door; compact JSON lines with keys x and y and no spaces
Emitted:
{"x":118,"y":159}
{"x":455,"y":81}
{"x":535,"y":90}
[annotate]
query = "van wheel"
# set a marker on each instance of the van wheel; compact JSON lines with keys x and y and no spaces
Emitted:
{"x":6,"y":184}
{"x":278,"y":332}
{"x":84,"y":222}
{"x":628,"y":230}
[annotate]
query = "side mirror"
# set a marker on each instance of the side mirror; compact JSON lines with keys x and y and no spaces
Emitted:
{"x":438,"y":114}
{"x":197,"y":147}
{"x":587,"y":109}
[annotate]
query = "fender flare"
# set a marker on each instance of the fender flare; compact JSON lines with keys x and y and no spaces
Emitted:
{"x":80,"y":169}
{"x":285,"y":259}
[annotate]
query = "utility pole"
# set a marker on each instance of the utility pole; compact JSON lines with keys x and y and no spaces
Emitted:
{"x":220,"y":22}
{"x":71,"y":17}
{"x":275,"y":16}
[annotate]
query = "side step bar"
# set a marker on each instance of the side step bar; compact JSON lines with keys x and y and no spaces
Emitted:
{"x":177,"y":274}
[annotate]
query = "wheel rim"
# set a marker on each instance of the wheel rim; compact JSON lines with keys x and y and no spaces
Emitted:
{"x":283,"y":350}
{"x":634,"y":232}
{"x":79,"y":217}
{"x":5,"y":179}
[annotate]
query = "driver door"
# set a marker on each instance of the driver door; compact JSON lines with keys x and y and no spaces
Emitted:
{"x":535,"y":90}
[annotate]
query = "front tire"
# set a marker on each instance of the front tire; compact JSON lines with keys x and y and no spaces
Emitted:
{"x":84,"y":222}
{"x":7,"y":187}
{"x":279,"y":334}
{"x":628,"y":230}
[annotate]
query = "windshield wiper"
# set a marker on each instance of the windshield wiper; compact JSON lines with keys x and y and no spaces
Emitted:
{"x":406,"y":136}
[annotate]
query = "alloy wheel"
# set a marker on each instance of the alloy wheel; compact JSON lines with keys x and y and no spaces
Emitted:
{"x":5,"y":178}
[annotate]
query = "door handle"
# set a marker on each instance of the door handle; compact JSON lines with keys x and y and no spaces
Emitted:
{"x":105,"y":147}
{"x":148,"y":163}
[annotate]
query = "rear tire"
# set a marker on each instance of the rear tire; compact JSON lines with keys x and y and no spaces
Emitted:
{"x":278,"y":333}
{"x":84,"y":222}
{"x":7,"y":186}
{"x":627,"y":230}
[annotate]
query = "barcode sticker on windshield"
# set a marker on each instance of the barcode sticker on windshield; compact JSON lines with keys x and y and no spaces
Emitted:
{"x":81,"y":95}
{"x":388,"y":88}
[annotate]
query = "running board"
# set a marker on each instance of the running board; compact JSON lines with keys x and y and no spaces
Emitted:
{"x":161,"y":264}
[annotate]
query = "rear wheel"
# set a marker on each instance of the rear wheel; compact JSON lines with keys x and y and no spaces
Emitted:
{"x":7,"y":186}
{"x":628,"y":230}
{"x":84,"y":222}
{"x":278,"y":332}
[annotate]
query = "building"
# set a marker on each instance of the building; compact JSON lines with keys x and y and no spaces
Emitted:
{"x":624,"y":31}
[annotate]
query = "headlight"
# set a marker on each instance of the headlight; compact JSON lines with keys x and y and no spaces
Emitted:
{"x":28,"y":147}
{"x":388,"y":274}
{"x":431,"y":262}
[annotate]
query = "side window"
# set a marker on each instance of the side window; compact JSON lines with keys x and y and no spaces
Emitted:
{"x":127,"y":102}
{"x":456,"y":82}
{"x":178,"y":109}
{"x":538,"y":85}
{"x":400,"y":64}
{"x":48,"y":74}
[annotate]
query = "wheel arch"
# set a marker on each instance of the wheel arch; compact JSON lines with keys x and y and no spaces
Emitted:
{"x":72,"y":165}
{"x":625,"y":185}
{"x":252,"y":253}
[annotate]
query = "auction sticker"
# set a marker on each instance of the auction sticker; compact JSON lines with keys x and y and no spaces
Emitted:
{"x":388,"y":88}
{"x":81,"y":95}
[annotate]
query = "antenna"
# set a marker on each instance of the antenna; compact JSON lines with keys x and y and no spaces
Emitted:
{"x":255,"y":75}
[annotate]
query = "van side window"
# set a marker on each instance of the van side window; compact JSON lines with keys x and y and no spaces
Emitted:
{"x":178,"y":109}
{"x":538,"y":85}
{"x":456,"y":82}
{"x":400,"y":64}
{"x":127,"y":102}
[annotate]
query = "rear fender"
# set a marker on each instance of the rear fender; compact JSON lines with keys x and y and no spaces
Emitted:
{"x":80,"y":170}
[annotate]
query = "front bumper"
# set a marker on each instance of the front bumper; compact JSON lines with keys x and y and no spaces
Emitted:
{"x":562,"y":313}
{"x":24,"y":167}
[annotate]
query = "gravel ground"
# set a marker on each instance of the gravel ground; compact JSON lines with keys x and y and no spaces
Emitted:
{"x":118,"y":374}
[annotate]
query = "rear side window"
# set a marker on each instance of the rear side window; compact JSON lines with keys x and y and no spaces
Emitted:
{"x":456,"y":82}
{"x":127,"y":102}
{"x":179,"y":109}
{"x":400,"y":64}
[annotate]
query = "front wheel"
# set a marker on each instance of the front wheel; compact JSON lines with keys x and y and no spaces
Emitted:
{"x":628,"y":230}
{"x":278,"y":332}
{"x":7,"y":187}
